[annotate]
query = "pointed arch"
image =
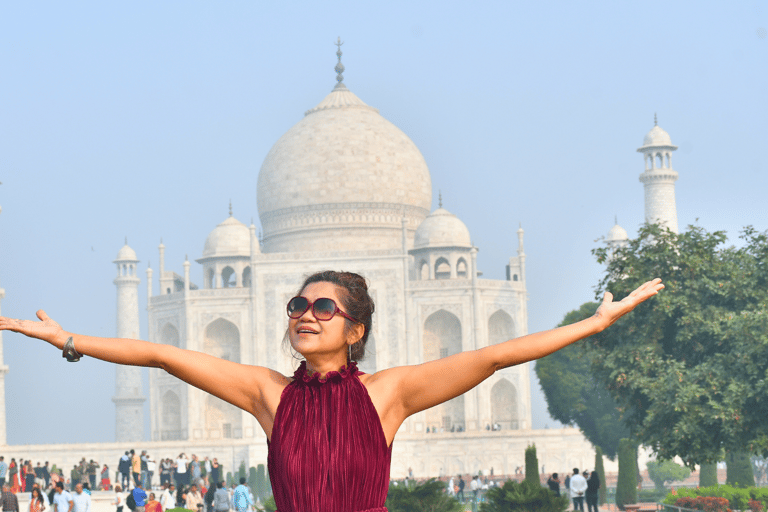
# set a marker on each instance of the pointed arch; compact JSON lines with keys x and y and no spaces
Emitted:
{"x":247,"y":277}
{"x":169,"y":335}
{"x":424,"y":271}
{"x":442,"y":338}
{"x":462,"y":269}
{"x":504,"y":405}
{"x":442,"y":269}
{"x":228,"y":278}
{"x":170,"y":417}
{"x":222,"y":339}
{"x":501,"y":327}
{"x":210,"y":279}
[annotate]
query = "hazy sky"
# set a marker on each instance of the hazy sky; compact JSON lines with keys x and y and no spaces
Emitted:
{"x":143,"y":119}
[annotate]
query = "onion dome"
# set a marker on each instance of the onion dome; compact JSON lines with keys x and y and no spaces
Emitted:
{"x":442,"y":229}
{"x":230,"y":238}
{"x":126,"y":254}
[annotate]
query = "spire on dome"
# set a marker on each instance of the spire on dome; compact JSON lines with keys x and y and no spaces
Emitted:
{"x":440,"y":199}
{"x":655,"y":120}
{"x":126,"y":240}
{"x":339,"y":66}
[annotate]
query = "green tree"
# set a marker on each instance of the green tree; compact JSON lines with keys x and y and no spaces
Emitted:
{"x":662,"y":472}
{"x":708,"y":475}
{"x":603,"y":491}
{"x":739,"y":468}
{"x":428,"y":496}
{"x":524,"y":496}
{"x":688,"y":367}
{"x":626,"y":486}
{"x":575,"y":397}
{"x":253,"y":481}
{"x":532,"y":465}
{"x":241,"y":472}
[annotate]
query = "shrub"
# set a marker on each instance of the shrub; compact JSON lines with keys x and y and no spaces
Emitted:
{"x":532,"y":465}
{"x":755,"y":506}
{"x":626,"y":487}
{"x":524,"y":496}
{"x":708,"y":475}
{"x":602,"y":492}
{"x":738,"y":498}
{"x":705,"y":503}
{"x":428,"y":496}
{"x":739,"y":470}
{"x":665,"y":471}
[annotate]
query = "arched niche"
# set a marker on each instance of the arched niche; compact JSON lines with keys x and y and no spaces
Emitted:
{"x":247,"y":277}
{"x":424,"y":271}
{"x":442,"y":338}
{"x":442,"y":269}
{"x":222,"y":339}
{"x":501,"y":327}
{"x":368,"y":364}
{"x":169,"y":335}
{"x":170,"y":417}
{"x":210,"y":279}
{"x":504,"y":405}
{"x":462,"y":271}
{"x":228,"y":277}
{"x":222,"y":420}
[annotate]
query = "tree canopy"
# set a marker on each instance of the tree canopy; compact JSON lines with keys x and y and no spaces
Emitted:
{"x":575,"y":397}
{"x":688,"y":368}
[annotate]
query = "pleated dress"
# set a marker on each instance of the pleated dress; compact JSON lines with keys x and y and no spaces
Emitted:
{"x":328,"y":451}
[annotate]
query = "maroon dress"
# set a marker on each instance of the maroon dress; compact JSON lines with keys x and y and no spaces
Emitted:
{"x":328,"y":452}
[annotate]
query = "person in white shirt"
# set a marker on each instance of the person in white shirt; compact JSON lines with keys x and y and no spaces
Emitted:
{"x":451,"y":490}
{"x":474,"y":486}
{"x":578,"y":488}
{"x":62,"y":500}
{"x":81,"y":500}
{"x":167,"y":499}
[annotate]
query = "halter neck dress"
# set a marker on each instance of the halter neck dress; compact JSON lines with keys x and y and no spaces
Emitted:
{"x":328,"y":452}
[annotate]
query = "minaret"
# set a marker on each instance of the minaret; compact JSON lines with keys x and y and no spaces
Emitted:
{"x":659,"y":178}
{"x":129,"y":401}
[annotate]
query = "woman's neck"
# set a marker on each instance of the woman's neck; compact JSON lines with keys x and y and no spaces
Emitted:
{"x":325,"y":365}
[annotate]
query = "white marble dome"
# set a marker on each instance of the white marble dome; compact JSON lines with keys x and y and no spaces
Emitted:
{"x":657,"y":137}
{"x":230,"y":238}
{"x":616,"y":234}
{"x":126,"y":254}
{"x":342,"y":178}
{"x":442,"y":229}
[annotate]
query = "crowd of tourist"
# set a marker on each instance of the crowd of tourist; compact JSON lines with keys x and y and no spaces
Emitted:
{"x":139,"y":483}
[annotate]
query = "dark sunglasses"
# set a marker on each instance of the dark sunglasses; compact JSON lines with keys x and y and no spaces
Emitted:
{"x":323,"y":309}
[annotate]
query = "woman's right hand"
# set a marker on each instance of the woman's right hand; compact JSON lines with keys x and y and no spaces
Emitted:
{"x":46,"y":329}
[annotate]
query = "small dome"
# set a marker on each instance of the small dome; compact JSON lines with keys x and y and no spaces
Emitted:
{"x":230,"y":238}
{"x":657,"y":137}
{"x":617,"y":234}
{"x":126,"y":254}
{"x":442,"y":229}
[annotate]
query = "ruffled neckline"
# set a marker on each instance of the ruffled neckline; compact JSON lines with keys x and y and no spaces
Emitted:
{"x":301,"y":374}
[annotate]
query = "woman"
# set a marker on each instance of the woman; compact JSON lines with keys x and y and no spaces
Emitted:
{"x":593,"y":484}
{"x":119,"y":501}
{"x":194,"y":469}
{"x":29,"y":476}
{"x":13,"y":470}
{"x":330,"y":428}
{"x":36,"y":501}
{"x":152,"y":504}
{"x":105,"y":483}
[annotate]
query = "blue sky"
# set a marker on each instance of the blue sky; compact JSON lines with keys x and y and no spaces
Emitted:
{"x":144,"y":119}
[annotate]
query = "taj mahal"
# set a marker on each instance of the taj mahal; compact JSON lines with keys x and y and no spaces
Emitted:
{"x":344,"y":189}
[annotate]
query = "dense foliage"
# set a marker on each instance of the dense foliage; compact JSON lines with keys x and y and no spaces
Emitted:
{"x":626,"y":487}
{"x":575,"y":397}
{"x":663,"y":472}
{"x":524,"y":496}
{"x":532,"y":466}
{"x":429,"y":496}
{"x":688,"y":368}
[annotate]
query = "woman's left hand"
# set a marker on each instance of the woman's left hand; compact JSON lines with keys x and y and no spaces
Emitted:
{"x":610,"y":310}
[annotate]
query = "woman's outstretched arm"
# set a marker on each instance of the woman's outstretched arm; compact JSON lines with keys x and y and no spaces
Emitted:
{"x":406,"y":390}
{"x":241,"y":385}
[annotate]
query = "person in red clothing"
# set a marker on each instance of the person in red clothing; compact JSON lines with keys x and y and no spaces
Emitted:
{"x":329,"y":407}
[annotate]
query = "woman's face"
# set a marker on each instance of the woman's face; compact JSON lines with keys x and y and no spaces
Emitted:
{"x":311,"y":337}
